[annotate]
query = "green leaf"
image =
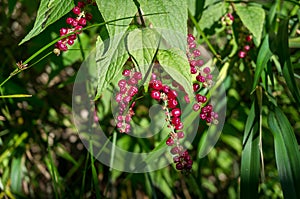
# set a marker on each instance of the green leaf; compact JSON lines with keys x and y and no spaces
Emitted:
{"x":175,"y":62}
{"x":285,"y":60}
{"x":16,"y":174}
{"x":173,"y":24}
{"x":286,"y":152}
{"x":142,"y":45}
{"x":110,"y":63}
{"x":263,"y":58}
{"x":250,"y":162}
{"x":294,"y":42}
{"x":211,"y":15}
{"x":111,"y":10}
{"x":48,"y":12}
{"x":253,"y":17}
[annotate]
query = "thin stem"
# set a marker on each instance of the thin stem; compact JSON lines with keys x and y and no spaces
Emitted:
{"x":204,"y":36}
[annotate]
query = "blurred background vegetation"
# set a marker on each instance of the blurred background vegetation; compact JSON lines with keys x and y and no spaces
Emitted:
{"x":41,"y":155}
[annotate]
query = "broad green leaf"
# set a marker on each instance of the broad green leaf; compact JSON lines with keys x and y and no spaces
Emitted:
{"x":250,"y":162}
{"x":111,"y":54}
{"x":211,"y":15}
{"x":175,"y":62}
{"x":173,"y":24}
{"x":48,"y":12}
{"x":110,"y":63}
{"x":286,"y":152}
{"x":263,"y":58}
{"x":117,"y":9}
{"x":285,"y":60}
{"x":142,"y":45}
{"x":253,"y":17}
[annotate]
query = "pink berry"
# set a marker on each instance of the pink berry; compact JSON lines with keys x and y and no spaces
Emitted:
{"x":175,"y":121}
{"x":172,"y":94}
{"x":179,"y":166}
{"x":175,"y":150}
{"x":126,"y":73}
{"x":63,"y":31}
{"x":78,"y":28}
{"x":156,"y":84}
{"x":187,"y":99}
{"x":176,"y":112}
{"x":247,"y":48}
{"x":132,"y":81}
{"x":62,"y":47}
{"x":137,"y":75}
{"x":196,"y":107}
{"x":192,"y":45}
{"x":230,"y":16}
{"x":180,"y":134}
{"x":76,"y":10}
{"x":197,"y":53}
{"x":190,"y":38}
{"x":166,"y":89}
{"x":118,"y":97}
{"x":75,"y":23}
{"x":122,"y":83}
{"x":206,"y":70}
{"x":242,"y":54}
{"x":193,"y":63}
{"x":80,"y":4}
{"x":200,"y":78}
{"x":69,"y":20}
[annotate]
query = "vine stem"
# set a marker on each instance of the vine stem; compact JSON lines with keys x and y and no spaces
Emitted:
{"x":204,"y":36}
{"x":17,"y":70}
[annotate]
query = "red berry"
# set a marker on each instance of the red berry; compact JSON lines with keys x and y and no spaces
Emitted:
{"x":172,"y":94}
{"x":192,"y":45}
{"x":118,"y":97}
{"x":88,"y":16}
{"x":193,"y":63}
{"x":172,"y":103}
{"x":248,"y":38}
{"x":170,"y":141}
{"x":230,"y":16}
{"x":200,"y":78}
{"x":193,"y":70}
{"x":155,"y":94}
{"x":132,"y":81}
{"x":179,"y":126}
{"x":78,"y":28}
{"x":206,"y":70}
{"x":72,"y":37}
{"x":69,"y":20}
{"x":179,"y":166}
{"x":156,"y":84}
{"x":187,"y":99}
{"x":76,"y":10}
{"x":166,"y":89}
{"x":132,"y":91}
{"x":70,"y":42}
{"x":196,"y":87}
{"x":75,"y":23}
{"x":175,"y":121}
{"x":82,"y":21}
{"x":176,"y":112}
{"x":62,"y":47}
{"x":175,"y":150}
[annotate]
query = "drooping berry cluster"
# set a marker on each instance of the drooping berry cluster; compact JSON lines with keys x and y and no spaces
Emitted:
{"x":246,"y":48}
{"x":76,"y":24}
{"x":168,"y":97}
{"x":203,"y":80}
{"x":128,"y":89}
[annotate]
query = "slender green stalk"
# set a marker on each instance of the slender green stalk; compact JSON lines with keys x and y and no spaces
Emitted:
{"x":204,"y":36}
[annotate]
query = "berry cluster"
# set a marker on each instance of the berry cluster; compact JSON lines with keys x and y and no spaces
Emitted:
{"x":203,"y":80}
{"x":76,"y":24}
{"x":128,"y":89}
{"x":227,"y":20}
{"x":247,"y":47}
{"x":168,"y":96}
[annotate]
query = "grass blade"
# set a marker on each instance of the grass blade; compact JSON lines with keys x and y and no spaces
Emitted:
{"x":286,"y":152}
